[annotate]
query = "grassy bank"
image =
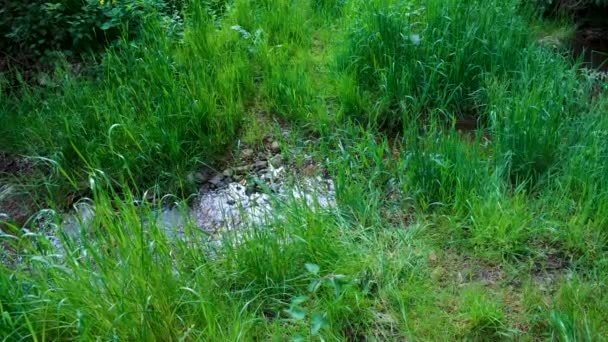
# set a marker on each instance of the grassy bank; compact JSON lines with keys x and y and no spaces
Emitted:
{"x":469,"y":164}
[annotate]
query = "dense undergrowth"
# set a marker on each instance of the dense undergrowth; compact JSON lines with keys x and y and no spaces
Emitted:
{"x":494,"y":231}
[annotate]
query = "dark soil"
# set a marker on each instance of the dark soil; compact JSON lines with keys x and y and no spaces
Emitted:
{"x":591,"y":45}
{"x":591,"y":40}
{"x":14,"y":165}
{"x":15,"y":206}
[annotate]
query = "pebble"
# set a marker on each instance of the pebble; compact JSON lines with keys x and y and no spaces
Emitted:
{"x":260,"y":164}
{"x":275,"y":147}
{"x":200,"y":177}
{"x":310,"y":170}
{"x":242,"y":169}
{"x":197,"y":177}
{"x":276,"y":161}
{"x":216,"y":180}
{"x":247,"y":153}
{"x":228,"y":172}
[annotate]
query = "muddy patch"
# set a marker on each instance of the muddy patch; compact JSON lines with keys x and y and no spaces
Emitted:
{"x":16,"y":205}
{"x":253,"y":192}
{"x":236,"y":206}
{"x":15,"y":165}
{"x":550,"y":268}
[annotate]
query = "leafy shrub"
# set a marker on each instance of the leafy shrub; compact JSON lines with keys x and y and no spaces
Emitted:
{"x":160,"y":108}
{"x":75,"y":26}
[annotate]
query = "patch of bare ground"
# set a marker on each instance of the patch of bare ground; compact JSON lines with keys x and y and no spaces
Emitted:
{"x":549,"y":269}
{"x":15,"y":205}
{"x":454,"y":270}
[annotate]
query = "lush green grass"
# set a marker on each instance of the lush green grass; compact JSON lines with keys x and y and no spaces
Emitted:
{"x":498,"y":232}
{"x":159,"y":109}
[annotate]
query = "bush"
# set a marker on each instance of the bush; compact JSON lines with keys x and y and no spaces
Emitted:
{"x":73,"y":27}
{"x":160,"y":108}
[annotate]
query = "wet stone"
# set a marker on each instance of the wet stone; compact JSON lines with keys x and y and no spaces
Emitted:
{"x":197,"y":177}
{"x":276,"y":161}
{"x":247,"y":153}
{"x":259,"y":165}
{"x":240,"y":170}
{"x":200,"y":177}
{"x":228,"y":172}
{"x":216,"y":180}
{"x":275,"y":147}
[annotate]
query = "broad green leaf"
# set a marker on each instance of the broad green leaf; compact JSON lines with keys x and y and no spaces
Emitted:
{"x":296,"y":313}
{"x":107,"y":25}
{"x":318,"y":322}
{"x":314,"y":285}
{"x":298,"y":300}
{"x":312,"y":268}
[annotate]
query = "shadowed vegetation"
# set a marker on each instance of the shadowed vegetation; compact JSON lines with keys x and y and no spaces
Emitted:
{"x":469,"y":160}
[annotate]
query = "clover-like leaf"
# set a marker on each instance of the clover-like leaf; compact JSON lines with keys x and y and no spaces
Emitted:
{"x":296,"y":313}
{"x":312,"y":268}
{"x":314,"y":285}
{"x":318,"y":322}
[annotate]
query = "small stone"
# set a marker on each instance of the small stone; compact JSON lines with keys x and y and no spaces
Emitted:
{"x":260,"y":164}
{"x":310,"y":170}
{"x":266,"y":176}
{"x":228,"y":172}
{"x":247,"y":153}
{"x":241,"y":169}
{"x":231,"y":202}
{"x":216,"y":180}
{"x":200,"y":177}
{"x":276,"y":173}
{"x":275,"y":147}
{"x":197,"y":177}
{"x":276,"y":161}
